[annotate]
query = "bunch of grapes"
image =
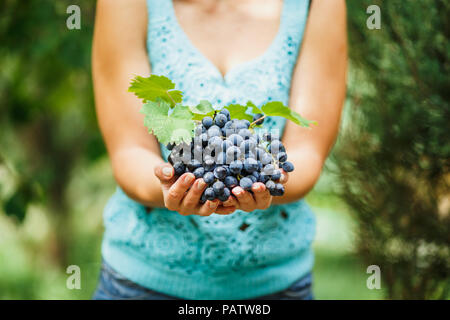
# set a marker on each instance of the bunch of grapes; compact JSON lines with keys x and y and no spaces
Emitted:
{"x":227,"y":153}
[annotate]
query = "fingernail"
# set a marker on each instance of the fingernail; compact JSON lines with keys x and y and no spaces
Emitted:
{"x":282,"y":178}
{"x":167,"y":171}
{"x":237,"y":191}
{"x":212,"y":204}
{"x":189,"y":178}
{"x":257,"y":188}
{"x":200,"y":184}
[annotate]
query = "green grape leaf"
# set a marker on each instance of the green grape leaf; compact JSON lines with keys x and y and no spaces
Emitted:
{"x":153,"y":87}
{"x":238,"y":111}
{"x":203,"y":107}
{"x":255,"y":109}
{"x":277,"y":108}
{"x":176,"y":127}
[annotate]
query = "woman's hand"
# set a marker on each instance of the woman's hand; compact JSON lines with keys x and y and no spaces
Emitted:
{"x":260,"y":199}
{"x":183,"y":194}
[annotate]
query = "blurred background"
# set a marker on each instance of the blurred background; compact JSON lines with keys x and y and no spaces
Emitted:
{"x":383,"y":199}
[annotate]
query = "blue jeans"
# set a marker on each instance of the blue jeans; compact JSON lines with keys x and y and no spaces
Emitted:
{"x":114,"y":286}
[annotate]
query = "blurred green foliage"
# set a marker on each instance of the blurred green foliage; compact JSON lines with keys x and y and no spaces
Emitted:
{"x":393,"y":161}
{"x":55,"y":177}
{"x":48,"y":118}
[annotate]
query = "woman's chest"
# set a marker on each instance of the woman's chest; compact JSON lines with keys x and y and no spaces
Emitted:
{"x":229,"y":35}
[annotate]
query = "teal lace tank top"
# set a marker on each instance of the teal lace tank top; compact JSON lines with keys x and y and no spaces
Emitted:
{"x":236,"y":256}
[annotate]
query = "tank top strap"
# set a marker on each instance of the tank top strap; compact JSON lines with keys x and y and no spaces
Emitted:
{"x":159,"y":10}
{"x":294,"y":16}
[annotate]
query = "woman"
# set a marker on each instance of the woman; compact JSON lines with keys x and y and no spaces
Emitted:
{"x":253,"y":246}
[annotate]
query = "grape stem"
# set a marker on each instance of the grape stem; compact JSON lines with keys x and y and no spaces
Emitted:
{"x":254,"y":122}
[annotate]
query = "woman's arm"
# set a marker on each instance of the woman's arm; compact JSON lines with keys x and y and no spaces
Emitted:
{"x":118,"y":54}
{"x":317,"y":93}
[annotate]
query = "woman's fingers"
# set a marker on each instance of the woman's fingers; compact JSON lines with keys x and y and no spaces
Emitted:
{"x":245,"y":199}
{"x":192,"y":198}
{"x":165,"y":173}
{"x":284,"y":176}
{"x":208,"y":208}
{"x":176,"y":192}
{"x":230,"y":202}
{"x":225,"y":210}
{"x":261,"y":195}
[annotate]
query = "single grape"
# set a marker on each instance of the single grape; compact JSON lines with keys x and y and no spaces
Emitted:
{"x":282,"y":156}
{"x":263,"y":177}
{"x":276,"y":175}
{"x":207,"y":122}
{"x":279,"y":188}
{"x":193,"y":164}
{"x":226,"y":113}
{"x":247,"y":146}
{"x":245,"y":133}
{"x":270,"y":185}
{"x":224,"y":195}
{"x":209,"y":178}
{"x":246,"y":183}
{"x":266,"y":159}
{"x":236,"y":167}
{"x":250,"y":164}
{"x":276,"y":146}
{"x":256,"y":117}
{"x":256,"y":174}
{"x":228,"y":125}
{"x":218,"y":188}
{"x":269,"y":169}
{"x":221,"y":158}
{"x":235,"y":139}
{"x":203,"y":198}
{"x":214,"y":131}
{"x":199,"y":172}
{"x":215,"y":142}
{"x":230,"y":181}
{"x":179,"y":168}
{"x":220,"y":120}
{"x":288,"y":166}
{"x":209,"y":164}
{"x":233,"y":154}
{"x":220,"y":172}
{"x":253,"y":178}
{"x":210,"y":194}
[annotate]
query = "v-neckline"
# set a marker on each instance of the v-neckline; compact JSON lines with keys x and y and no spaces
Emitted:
{"x":239,"y":66}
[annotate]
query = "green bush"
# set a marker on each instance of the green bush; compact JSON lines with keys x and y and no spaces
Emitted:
{"x":392,"y":158}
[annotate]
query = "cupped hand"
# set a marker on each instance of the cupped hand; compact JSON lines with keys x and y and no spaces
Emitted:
{"x":260,"y":199}
{"x":183,"y":194}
